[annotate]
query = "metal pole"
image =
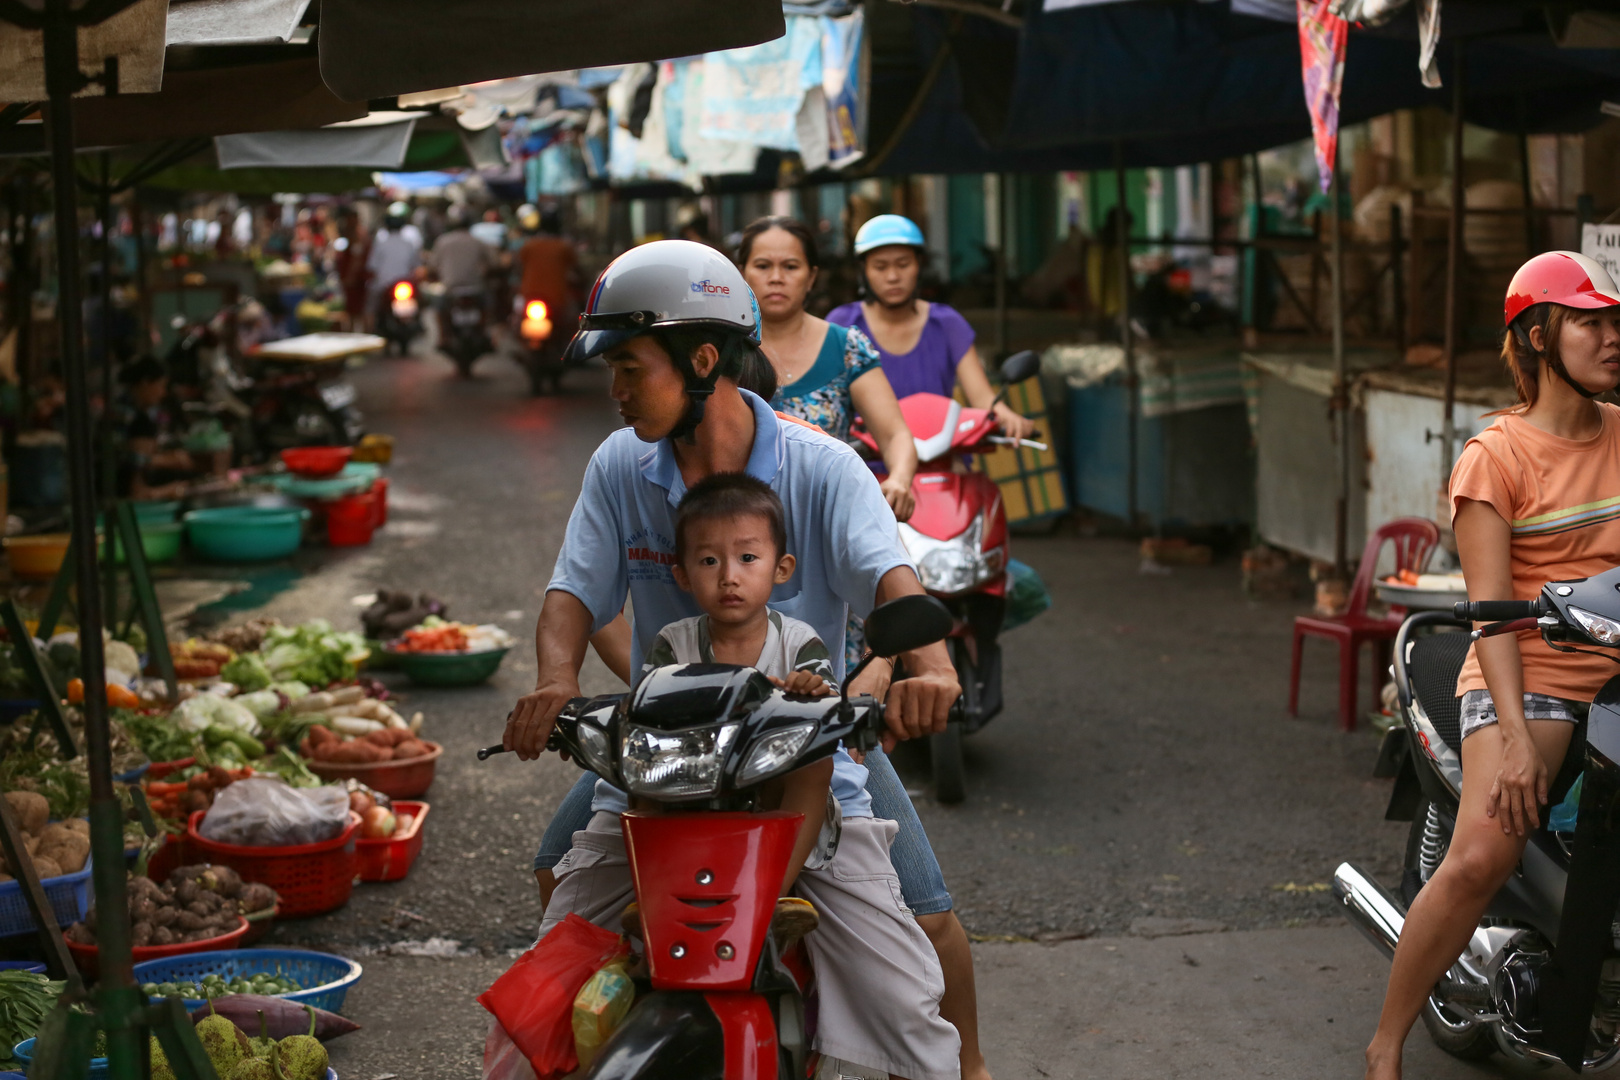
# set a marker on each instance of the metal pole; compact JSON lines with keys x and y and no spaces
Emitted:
{"x":1122,"y":239}
{"x":119,"y":999}
{"x":109,"y":469}
{"x":1454,"y":259}
{"x":1341,"y":388}
{"x":1002,"y":229}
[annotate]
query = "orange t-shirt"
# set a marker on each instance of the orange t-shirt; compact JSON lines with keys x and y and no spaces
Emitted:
{"x":1562,"y":499}
{"x":546,"y":262}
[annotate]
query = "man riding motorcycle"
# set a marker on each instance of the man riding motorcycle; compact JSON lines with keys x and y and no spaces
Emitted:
{"x":674,"y":320}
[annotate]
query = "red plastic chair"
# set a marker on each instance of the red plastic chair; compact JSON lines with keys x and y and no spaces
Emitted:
{"x":1414,"y":540}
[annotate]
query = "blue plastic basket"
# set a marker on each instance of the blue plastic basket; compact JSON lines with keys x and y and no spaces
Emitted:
{"x":326,"y":978}
{"x":31,"y":966}
{"x":98,"y":1066}
{"x":69,"y":896}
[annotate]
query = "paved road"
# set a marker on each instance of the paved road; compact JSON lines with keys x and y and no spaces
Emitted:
{"x":1143,"y":770}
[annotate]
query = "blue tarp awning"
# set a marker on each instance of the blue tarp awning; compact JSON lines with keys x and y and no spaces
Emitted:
{"x":1182,"y":83}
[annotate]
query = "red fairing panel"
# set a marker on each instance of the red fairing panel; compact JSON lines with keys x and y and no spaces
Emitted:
{"x":947,"y":503}
{"x":707,"y":885}
{"x":750,"y":1033}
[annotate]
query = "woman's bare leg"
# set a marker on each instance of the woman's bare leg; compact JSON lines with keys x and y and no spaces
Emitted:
{"x":1445,"y":913}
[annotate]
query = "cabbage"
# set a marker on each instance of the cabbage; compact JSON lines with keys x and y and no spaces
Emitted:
{"x":312,"y":653}
{"x":201,"y":711}
{"x":247,"y":671}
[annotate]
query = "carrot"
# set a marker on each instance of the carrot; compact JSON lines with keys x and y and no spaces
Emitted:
{"x":159,"y":788}
{"x":121,"y":697}
{"x":75,"y":691}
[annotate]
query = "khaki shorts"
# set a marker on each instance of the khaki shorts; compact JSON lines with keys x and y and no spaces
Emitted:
{"x":878,"y":979}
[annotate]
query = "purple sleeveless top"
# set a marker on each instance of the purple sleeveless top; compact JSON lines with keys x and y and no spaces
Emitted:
{"x":930,"y":367}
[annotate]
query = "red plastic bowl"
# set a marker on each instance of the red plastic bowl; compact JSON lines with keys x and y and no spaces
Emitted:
{"x":309,"y":878}
{"x":84,"y":956}
{"x":316,"y":462}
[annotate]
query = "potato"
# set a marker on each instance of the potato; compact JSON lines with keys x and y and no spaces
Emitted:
{"x":47,"y":868}
{"x":4,"y":877}
{"x":162,"y":935}
{"x":165,"y":916}
{"x":140,"y":934}
{"x":189,"y":921}
{"x":31,"y":809}
{"x":80,"y":934}
{"x":31,"y":843}
{"x":200,"y":909}
{"x":69,"y":849}
{"x":53,"y":831}
{"x":78,"y":825}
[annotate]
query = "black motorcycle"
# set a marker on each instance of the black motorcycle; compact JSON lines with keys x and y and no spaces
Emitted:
{"x":1540,"y":979}
{"x":464,"y":328}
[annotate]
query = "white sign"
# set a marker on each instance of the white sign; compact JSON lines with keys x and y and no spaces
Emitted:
{"x":1602,"y":243}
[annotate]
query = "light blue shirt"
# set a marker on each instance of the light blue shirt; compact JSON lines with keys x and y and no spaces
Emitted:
{"x":621,"y":541}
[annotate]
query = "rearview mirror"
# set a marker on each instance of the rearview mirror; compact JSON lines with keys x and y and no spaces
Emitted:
{"x":907,"y":623}
{"x":1020,"y":366}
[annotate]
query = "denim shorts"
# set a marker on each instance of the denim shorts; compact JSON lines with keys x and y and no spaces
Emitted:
{"x":921,"y":881}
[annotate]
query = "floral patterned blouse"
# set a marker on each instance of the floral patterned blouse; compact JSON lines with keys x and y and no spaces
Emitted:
{"x":821,"y":395}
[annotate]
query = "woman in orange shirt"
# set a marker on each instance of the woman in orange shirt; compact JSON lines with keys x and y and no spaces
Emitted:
{"x":1535,"y":498}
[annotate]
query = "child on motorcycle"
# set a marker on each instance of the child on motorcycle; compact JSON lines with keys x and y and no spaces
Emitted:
{"x":880,"y":982}
{"x":1533,"y":500}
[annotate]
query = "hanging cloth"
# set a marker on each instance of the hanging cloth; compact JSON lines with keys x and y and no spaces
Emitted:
{"x":1322,"y":37}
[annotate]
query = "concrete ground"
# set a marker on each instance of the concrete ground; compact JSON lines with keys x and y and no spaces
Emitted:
{"x":1143,"y":778}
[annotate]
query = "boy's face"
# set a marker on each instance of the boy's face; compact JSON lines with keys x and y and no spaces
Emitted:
{"x":731,"y":565}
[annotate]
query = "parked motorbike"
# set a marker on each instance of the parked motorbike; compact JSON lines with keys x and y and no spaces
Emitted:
{"x":957,"y":536}
{"x":464,"y":328}
{"x":719,"y":999}
{"x":542,"y":346}
{"x":296,"y":403}
{"x":1540,"y":979}
{"x":399,"y":316}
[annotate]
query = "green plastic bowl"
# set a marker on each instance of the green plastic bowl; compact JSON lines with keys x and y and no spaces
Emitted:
{"x":157,"y":513}
{"x":245,"y":533}
{"x":448,"y":668}
{"x":160,"y":542}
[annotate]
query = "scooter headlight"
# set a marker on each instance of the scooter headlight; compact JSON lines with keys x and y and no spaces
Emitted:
{"x":404,"y":290}
{"x":1604,"y":631}
{"x":674,"y":764}
{"x":773,"y":752}
{"x":955,"y":566}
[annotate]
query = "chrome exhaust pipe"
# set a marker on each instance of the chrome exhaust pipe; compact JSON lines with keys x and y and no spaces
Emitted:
{"x":1369,"y":907}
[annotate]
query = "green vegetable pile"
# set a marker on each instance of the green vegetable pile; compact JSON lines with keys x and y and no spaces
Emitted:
{"x":311,"y":652}
{"x":248,"y":672}
{"x":25,"y":998}
{"x":213,"y":986}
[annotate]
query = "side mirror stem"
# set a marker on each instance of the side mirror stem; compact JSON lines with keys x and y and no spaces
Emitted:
{"x":844,"y":709}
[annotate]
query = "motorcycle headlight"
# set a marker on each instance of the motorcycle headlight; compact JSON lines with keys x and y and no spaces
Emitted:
{"x":674,"y":764}
{"x":1604,"y":631}
{"x":594,"y":748}
{"x":955,"y":566}
{"x":770,"y":753}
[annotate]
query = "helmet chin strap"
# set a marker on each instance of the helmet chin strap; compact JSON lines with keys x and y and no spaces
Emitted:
{"x":1556,"y":365}
{"x":699,"y":388}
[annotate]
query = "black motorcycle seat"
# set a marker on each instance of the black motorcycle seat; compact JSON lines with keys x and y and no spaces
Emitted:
{"x":1433,"y":666}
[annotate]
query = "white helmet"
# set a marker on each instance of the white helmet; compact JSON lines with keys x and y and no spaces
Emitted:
{"x":663,"y":284}
{"x":666,"y":285}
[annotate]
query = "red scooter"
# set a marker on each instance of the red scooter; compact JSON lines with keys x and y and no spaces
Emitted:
{"x":957,"y":536}
{"x":717,"y":999}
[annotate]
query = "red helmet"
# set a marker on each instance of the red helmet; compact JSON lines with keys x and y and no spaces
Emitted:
{"x":1560,"y":277}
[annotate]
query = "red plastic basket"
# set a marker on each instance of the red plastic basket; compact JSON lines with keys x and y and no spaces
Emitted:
{"x":391,"y":859}
{"x":351,"y":519}
{"x":396,"y":779}
{"x":85,"y":956}
{"x":309,"y":878}
{"x":315,"y":462}
{"x":379,"y":489}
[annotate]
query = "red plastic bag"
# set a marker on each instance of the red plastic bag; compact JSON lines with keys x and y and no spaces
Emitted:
{"x":534,"y":1000}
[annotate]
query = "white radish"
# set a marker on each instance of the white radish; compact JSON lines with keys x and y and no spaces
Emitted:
{"x":416,"y":723}
{"x":309,"y":703}
{"x":355,"y":725}
{"x":348,"y":695}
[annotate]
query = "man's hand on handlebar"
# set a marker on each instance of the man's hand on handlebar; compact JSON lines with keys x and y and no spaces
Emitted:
{"x":529,"y":726}
{"x":919,"y":705}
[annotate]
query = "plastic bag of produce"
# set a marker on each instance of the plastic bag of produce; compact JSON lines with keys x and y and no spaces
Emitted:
{"x":1026,"y":594}
{"x":262,"y":811}
{"x":534,"y":1000}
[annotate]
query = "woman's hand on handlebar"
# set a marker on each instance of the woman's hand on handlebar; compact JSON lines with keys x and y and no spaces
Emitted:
{"x":529,"y":726}
{"x":1012,"y":424}
{"x":1520,"y":788}
{"x":898,"y":493}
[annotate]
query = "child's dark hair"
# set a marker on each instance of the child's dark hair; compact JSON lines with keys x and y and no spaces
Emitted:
{"x":729,"y":495}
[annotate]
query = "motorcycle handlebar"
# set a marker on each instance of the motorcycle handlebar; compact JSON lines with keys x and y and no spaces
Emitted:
{"x":1499,"y":610}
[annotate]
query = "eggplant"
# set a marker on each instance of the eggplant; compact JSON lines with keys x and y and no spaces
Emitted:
{"x":284,"y":1017}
